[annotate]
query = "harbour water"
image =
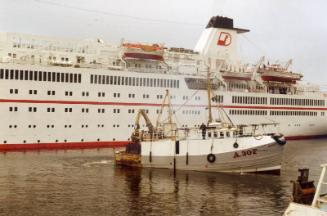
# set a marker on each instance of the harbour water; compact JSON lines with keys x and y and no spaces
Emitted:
{"x":86,"y":183}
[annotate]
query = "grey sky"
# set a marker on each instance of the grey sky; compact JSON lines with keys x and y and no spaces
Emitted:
{"x":280,"y":29}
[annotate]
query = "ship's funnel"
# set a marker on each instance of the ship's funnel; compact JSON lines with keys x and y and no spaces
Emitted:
{"x":219,"y":39}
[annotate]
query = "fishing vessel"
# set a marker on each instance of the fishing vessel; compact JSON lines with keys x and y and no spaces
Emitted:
{"x":213,"y":147}
{"x":69,"y":93}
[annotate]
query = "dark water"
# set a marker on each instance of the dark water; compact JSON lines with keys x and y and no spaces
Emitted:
{"x":87,"y":183}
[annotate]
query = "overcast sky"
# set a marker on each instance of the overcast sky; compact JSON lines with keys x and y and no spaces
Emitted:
{"x":280,"y":29}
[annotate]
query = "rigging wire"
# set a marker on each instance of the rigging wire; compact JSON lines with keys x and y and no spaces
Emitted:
{"x":180,"y":107}
{"x":263,"y":52}
{"x":106,"y":13}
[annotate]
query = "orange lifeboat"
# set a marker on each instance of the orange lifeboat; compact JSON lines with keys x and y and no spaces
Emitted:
{"x":142,"y":51}
{"x":277,"y":73}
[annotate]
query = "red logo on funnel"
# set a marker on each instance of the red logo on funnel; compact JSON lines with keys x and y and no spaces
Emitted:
{"x":224,"y":39}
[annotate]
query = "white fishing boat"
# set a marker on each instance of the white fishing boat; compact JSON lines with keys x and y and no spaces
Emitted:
{"x":318,"y":206}
{"x":218,"y":146}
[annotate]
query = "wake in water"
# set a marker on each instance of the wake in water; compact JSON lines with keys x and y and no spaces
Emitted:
{"x":94,"y":163}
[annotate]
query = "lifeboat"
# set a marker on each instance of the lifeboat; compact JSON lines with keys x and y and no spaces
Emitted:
{"x":277,"y":73}
{"x":246,"y":76}
{"x":142,"y":51}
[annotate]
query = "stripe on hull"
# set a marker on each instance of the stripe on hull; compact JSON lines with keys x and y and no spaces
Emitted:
{"x":92,"y":145}
{"x":58,"y":146}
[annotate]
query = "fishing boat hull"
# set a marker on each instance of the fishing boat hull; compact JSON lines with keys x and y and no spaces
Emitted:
{"x":196,"y":155}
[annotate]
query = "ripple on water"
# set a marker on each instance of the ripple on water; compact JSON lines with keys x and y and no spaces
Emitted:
{"x":87,"y":183}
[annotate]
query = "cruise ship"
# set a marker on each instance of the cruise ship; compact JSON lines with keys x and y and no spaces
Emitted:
{"x":72,"y":94}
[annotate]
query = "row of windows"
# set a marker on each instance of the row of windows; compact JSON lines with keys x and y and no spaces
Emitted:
{"x":248,"y":112}
{"x":40,"y":76}
{"x":238,"y":85}
{"x":133,"y":81}
{"x":65,"y":126}
{"x":82,"y":140}
{"x":249,"y":100}
{"x":103,"y":94}
{"x":293,"y":113}
{"x":193,"y":112}
{"x":218,"y":99}
{"x":296,"y":102}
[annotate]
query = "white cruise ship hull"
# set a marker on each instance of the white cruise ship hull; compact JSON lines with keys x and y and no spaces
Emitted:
{"x":89,"y":115}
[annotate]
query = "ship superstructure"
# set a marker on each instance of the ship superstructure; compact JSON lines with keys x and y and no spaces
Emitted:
{"x":58,"y":93}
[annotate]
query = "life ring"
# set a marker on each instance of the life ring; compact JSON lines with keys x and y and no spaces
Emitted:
{"x":279,"y":138}
{"x":211,"y":158}
{"x":235,"y":145}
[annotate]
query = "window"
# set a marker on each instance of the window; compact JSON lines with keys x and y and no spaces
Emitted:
{"x":101,"y":94}
{"x":131,"y":95}
{"x":13,"y":91}
{"x":32,"y":109}
{"x":85,"y":94}
{"x":13,"y":109}
{"x":50,"y":109}
{"x":101,"y":110}
{"x":51,"y":92}
{"x":68,"y":93}
{"x":85,"y":110}
{"x":68,"y":109}
{"x":32,"y":91}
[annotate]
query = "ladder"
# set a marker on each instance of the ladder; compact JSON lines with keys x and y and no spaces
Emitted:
{"x":317,"y":200}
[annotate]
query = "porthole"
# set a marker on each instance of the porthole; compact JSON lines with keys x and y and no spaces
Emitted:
{"x":235,"y":145}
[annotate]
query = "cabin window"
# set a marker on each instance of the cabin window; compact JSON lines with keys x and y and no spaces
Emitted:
{"x":58,"y":77}
{"x":6,"y":74}
{"x":16,"y":74}
{"x":177,"y":147}
{"x":11,"y":74}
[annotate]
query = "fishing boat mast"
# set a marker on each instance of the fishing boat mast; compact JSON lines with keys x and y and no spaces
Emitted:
{"x":209,"y":93}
